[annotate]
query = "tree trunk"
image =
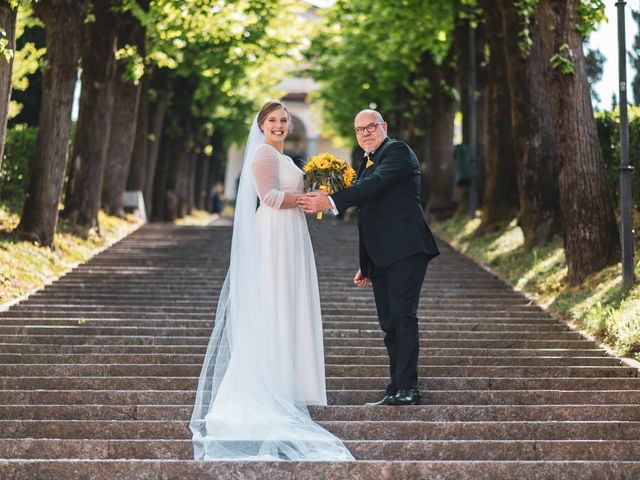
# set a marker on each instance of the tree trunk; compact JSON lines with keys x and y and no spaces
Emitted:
{"x":533,"y":132}
{"x":191,"y":187}
{"x":482,"y":149}
{"x":165,"y":157}
{"x":586,"y":205}
{"x":201,"y":181}
{"x":500,"y":188}
{"x":442,"y":110}
{"x":94,"y":120}
{"x":441,"y":205}
{"x":482,"y":111}
{"x":215,"y":161}
{"x":63,"y":23}
{"x":461,"y":45}
{"x":157,"y":126}
{"x":181,"y":182}
{"x":8,"y":16}
{"x":138,"y":169}
{"x":124,"y":116}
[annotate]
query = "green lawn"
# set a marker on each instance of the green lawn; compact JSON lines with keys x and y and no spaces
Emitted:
{"x":25,"y":266}
{"x":600,"y":305}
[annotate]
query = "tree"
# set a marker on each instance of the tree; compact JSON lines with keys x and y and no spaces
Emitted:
{"x":8,"y":15}
{"x":131,"y":37}
{"x":594,"y":65}
{"x":437,"y":117}
{"x":63,"y":22}
{"x":84,"y":187}
{"x":634,"y":56}
{"x":137,"y":177}
{"x":371,"y":53}
{"x":368,"y":52}
{"x":500,"y":203}
{"x":231,"y":59}
{"x":586,"y":205}
{"x":532,"y":124}
{"x":27,"y":73}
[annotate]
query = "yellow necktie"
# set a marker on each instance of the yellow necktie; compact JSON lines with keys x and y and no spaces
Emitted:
{"x":369,"y":162}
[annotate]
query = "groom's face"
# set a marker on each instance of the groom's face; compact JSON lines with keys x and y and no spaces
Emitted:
{"x":370,"y":141}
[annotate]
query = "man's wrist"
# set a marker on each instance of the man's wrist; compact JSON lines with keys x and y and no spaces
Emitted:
{"x":333,"y":206}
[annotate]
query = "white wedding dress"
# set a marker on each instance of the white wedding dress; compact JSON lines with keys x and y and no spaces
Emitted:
{"x":265,"y":359}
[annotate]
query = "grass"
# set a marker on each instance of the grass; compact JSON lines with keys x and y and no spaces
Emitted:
{"x":202,"y":218}
{"x":25,"y":266}
{"x":600,"y":305}
{"x":199,"y":218}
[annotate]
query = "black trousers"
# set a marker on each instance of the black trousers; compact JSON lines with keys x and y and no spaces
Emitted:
{"x":396,"y":289}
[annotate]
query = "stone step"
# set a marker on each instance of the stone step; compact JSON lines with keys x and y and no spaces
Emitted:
{"x":93,"y":329}
{"x":468,"y":351}
{"x":510,"y":391}
{"x":380,"y":360}
{"x":466,"y":413}
{"x":532,"y":450}
{"x":465,"y":343}
{"x":360,"y":470}
{"x":347,"y":430}
{"x":27,"y":309}
{"x":206,"y":302}
{"x":173,"y":370}
{"x":472,"y":371}
{"x":333,"y":383}
{"x":425,"y":326}
{"x":362,"y":351}
{"x":70,"y":339}
{"x":419,"y":413}
{"x":335,"y":397}
{"x":124,"y":295}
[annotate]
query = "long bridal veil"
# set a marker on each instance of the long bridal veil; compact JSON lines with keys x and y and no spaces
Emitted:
{"x":249,"y":405}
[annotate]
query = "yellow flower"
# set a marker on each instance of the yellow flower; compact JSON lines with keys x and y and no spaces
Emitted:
{"x":348,"y":175}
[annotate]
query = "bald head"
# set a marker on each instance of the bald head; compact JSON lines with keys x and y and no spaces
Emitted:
{"x":370,"y":128}
{"x":369,"y":113}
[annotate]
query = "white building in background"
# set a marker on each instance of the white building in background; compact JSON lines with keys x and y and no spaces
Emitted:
{"x":303,"y":142}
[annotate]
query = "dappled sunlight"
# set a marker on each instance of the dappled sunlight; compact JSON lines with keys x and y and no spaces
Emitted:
{"x":546,"y":265}
{"x":25,"y":266}
{"x":508,"y":241}
{"x":599,"y":305}
{"x":627,"y":326}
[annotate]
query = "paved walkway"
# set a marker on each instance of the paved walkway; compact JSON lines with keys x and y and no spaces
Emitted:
{"x":103,"y":365}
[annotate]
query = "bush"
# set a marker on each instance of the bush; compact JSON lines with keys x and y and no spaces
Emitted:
{"x":14,"y":173}
{"x":608,"y":125}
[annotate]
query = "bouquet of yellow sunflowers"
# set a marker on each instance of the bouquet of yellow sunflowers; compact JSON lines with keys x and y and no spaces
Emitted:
{"x":326,"y":172}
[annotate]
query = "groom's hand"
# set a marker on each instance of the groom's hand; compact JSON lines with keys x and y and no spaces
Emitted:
{"x":361,"y":281}
{"x":313,"y":202}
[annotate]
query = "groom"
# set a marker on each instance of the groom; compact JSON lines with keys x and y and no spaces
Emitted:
{"x":395,"y":244}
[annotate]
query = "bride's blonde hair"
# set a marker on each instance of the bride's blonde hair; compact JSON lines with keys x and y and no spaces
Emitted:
{"x":269,"y":107}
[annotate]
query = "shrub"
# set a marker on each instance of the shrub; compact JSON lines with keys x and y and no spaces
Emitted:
{"x":608,"y":124}
{"x":14,"y":173}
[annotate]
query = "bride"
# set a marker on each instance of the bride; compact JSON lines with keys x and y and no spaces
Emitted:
{"x":265,"y":359}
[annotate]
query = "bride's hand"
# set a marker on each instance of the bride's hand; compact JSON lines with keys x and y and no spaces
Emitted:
{"x":315,"y":201}
{"x":361,"y":281}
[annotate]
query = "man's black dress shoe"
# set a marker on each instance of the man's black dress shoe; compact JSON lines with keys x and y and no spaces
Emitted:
{"x":387,"y":400}
{"x":407,"y":397}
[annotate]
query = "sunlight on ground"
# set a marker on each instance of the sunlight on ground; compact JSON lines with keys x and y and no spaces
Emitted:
{"x":197,"y":218}
{"x":600,"y":305}
{"x":25,"y":266}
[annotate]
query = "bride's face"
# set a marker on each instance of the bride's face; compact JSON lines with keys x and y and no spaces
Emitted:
{"x":276,"y":127}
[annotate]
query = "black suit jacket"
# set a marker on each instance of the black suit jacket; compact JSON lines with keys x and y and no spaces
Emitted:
{"x":391,"y":221}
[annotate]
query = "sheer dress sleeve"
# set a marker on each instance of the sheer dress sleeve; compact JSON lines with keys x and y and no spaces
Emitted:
{"x":265,"y":169}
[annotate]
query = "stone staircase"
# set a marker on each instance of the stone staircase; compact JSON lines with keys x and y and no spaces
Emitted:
{"x":98,"y":372}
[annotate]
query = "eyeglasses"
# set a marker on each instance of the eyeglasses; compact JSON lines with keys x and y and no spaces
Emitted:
{"x":369,"y":128}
